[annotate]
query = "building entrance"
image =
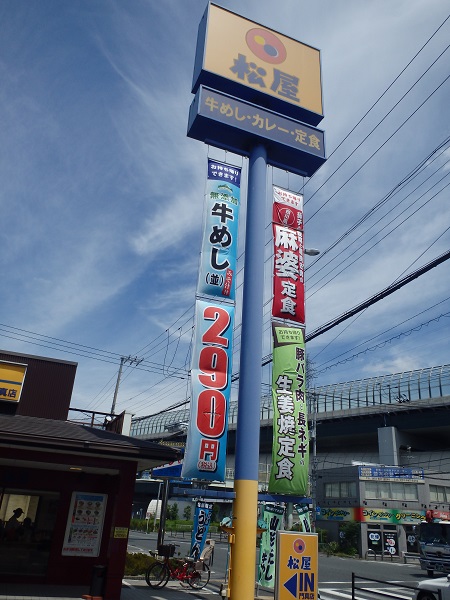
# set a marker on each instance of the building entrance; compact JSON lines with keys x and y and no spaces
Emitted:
{"x":26,"y":528}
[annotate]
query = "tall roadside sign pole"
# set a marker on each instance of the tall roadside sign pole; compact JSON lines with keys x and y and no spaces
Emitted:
{"x":242,"y":576}
{"x":257,"y":94}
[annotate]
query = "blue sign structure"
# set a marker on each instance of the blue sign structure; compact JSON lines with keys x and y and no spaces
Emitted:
{"x":226,"y":122}
{"x":203,"y":513}
{"x":217,"y":273}
{"x":390,"y":473}
{"x":254,"y":89}
{"x":169,"y":470}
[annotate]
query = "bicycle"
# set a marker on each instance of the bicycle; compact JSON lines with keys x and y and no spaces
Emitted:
{"x":194,"y":572}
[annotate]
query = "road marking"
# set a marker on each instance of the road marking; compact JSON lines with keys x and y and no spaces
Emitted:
{"x":329,"y":594}
{"x":388,"y":592}
{"x":334,"y":593}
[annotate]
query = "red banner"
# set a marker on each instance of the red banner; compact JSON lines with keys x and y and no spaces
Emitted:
{"x":287,"y":208}
{"x":291,"y":217}
{"x":288,"y":274}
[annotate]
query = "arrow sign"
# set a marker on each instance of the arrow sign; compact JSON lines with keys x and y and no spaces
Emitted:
{"x":291,"y":585}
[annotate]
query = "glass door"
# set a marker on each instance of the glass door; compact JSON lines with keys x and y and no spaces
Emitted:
{"x":27,"y":522}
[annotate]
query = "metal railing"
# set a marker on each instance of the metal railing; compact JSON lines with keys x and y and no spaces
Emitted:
{"x":430,"y":383}
{"x":383,"y":593}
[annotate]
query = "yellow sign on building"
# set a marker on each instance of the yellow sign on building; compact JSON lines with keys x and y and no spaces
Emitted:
{"x":250,"y":61}
{"x":297,"y":566}
{"x":11,"y":380}
{"x":121,"y":532}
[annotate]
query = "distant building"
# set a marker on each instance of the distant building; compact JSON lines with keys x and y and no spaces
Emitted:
{"x":379,"y":453}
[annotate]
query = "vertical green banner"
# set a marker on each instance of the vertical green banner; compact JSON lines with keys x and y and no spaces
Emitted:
{"x":303,"y":513}
{"x":273,"y":518}
{"x":290,"y":449}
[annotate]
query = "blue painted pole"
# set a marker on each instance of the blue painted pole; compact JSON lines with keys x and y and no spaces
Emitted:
{"x":245,"y":507}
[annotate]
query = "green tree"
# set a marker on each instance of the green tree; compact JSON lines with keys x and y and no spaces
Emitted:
{"x":172,"y":512}
{"x":187,"y":512}
{"x":214,"y":512}
{"x":349,"y":535}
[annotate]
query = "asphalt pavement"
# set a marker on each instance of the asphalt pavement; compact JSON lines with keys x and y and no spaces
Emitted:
{"x":333,"y":585}
{"x":132,"y":589}
{"x":138,"y":589}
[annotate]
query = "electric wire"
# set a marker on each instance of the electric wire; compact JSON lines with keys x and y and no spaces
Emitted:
{"x":148,"y":347}
{"x":378,"y":149}
{"x":382,"y":95}
{"x":425,"y":72}
{"x":380,"y":122}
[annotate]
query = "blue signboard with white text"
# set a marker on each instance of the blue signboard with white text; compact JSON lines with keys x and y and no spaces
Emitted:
{"x":202,"y":519}
{"x":237,"y":125}
{"x":217,"y":275}
{"x":390,"y":473}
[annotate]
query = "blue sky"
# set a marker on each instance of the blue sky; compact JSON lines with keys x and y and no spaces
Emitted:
{"x":101,"y":200}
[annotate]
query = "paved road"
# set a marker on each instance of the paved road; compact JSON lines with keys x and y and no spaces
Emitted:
{"x":335,"y":573}
{"x":143,"y":542}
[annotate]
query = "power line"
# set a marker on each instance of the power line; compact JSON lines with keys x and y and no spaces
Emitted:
{"x":383,"y":343}
{"x":379,"y":204}
{"x":378,"y":149}
{"x":380,"y":122}
{"x":380,"y":334}
{"x":380,"y":98}
{"x":336,"y":274}
{"x":369,"y":302}
{"x":379,"y":296}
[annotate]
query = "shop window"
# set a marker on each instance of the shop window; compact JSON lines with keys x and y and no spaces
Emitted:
{"x":398,"y":492}
{"x":412,"y":541}
{"x":347,"y":489}
{"x":389,"y":490}
{"x":332,"y":490}
{"x":340,"y":489}
{"x":373,"y":490}
{"x":383,"y":539}
{"x":411,"y":492}
{"x":26,"y":528}
{"x":439,"y":493}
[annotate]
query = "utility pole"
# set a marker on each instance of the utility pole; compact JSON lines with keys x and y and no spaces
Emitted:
{"x":314,"y":464}
{"x":124,"y":359}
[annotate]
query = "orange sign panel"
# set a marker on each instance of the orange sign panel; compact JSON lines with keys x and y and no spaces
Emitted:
{"x":297,"y":566}
{"x":250,"y":61}
{"x":12,"y":376}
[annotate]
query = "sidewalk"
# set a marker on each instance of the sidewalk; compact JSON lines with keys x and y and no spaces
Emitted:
{"x":132,"y":589}
{"x":137,"y":589}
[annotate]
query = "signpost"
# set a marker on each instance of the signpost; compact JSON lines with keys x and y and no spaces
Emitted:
{"x":297,"y":566}
{"x":258,"y":94}
{"x":251,"y":61}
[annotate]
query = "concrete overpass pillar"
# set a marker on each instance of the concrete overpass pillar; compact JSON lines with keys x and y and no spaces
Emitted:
{"x":388,"y":446}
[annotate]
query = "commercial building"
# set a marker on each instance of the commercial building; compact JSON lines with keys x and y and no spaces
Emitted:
{"x":66,"y":489}
{"x":379,"y":453}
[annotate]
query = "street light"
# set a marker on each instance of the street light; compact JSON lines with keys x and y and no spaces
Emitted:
{"x":314,"y":252}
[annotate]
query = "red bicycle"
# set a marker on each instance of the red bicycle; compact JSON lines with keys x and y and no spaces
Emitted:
{"x":194,"y":572}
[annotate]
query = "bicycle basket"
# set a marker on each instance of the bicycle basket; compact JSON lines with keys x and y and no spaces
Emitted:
{"x":166,"y":550}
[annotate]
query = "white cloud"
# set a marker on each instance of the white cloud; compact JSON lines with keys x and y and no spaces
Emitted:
{"x":101,"y":204}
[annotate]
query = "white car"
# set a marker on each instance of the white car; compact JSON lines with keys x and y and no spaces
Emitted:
{"x":428,"y":589}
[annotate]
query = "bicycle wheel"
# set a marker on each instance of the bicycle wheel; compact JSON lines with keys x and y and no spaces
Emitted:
{"x":157,"y":575}
{"x":199,"y":577}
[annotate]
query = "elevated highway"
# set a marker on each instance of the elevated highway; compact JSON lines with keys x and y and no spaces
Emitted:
{"x":413,"y":407}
